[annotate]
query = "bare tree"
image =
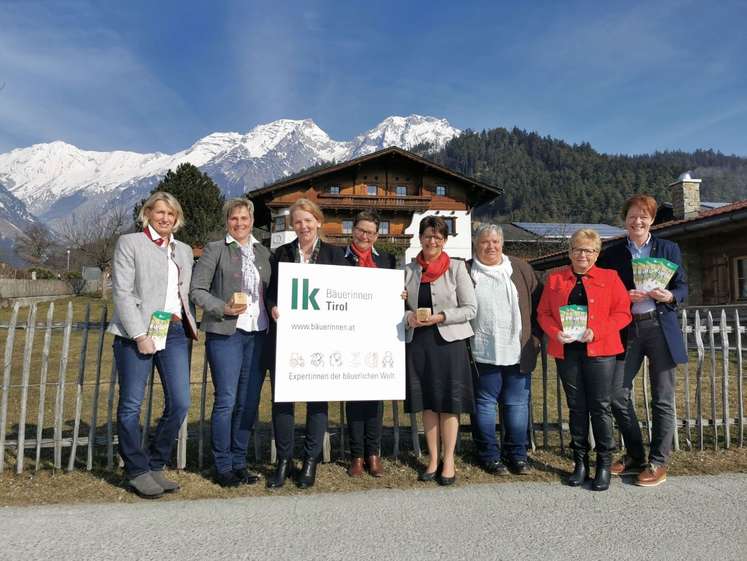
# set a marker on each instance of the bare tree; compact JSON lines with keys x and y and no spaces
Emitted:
{"x":35,"y":245}
{"x":94,"y":235}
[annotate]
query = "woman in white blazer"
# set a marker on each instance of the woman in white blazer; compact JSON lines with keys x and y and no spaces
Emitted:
{"x":151,"y":272}
{"x":439,"y":380}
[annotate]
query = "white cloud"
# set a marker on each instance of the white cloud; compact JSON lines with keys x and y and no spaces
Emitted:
{"x":82,"y":85}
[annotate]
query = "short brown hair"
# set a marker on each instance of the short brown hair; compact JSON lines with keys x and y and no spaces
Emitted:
{"x":170,"y":200}
{"x":586,"y":234}
{"x":368,"y":216}
{"x":645,"y":202}
{"x":233,"y":204}
{"x":437,"y":223}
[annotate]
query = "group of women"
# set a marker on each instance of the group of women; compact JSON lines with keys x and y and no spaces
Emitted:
{"x":472,"y":332}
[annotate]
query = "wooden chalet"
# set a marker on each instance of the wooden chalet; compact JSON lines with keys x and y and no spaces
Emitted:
{"x":713,"y":243}
{"x":401,"y":186}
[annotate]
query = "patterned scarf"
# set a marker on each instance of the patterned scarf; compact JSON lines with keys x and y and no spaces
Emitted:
{"x":249,"y":273}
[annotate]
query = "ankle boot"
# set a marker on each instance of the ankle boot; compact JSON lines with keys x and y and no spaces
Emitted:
{"x":580,"y":471}
{"x":283,"y":470}
{"x":602,"y":476}
{"x":307,"y":475}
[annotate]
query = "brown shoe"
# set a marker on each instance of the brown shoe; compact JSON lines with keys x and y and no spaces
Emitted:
{"x":627,"y":466}
{"x":375,"y":468}
{"x":652,"y":476}
{"x":356,"y":467}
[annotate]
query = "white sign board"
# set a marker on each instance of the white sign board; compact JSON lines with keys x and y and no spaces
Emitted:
{"x":340,"y":334}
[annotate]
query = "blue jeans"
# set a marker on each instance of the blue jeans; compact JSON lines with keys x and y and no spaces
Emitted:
{"x":236,"y":366}
{"x":134,"y":371}
{"x":509,"y":387}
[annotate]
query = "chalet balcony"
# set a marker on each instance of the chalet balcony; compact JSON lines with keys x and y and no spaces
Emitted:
{"x":402,"y":240}
{"x":409,"y":203}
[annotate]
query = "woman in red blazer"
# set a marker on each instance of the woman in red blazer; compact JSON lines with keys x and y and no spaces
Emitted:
{"x":586,"y":360}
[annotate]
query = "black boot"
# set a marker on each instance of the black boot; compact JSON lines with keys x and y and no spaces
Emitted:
{"x":307,"y":475}
{"x":283,"y":470}
{"x":580,"y":470}
{"x":602,"y":476}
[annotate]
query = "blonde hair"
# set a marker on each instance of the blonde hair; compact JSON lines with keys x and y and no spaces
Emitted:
{"x":312,"y":208}
{"x":238,"y":202}
{"x":587,"y":234}
{"x":169,"y":200}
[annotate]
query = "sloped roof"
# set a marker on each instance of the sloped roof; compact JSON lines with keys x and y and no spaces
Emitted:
{"x":391,"y":150}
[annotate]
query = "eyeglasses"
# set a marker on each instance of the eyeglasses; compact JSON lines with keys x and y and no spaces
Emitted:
{"x":436,"y":238}
{"x":583,"y":251}
{"x":366,"y":233}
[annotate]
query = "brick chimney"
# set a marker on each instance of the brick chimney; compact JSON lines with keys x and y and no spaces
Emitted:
{"x":685,"y":197}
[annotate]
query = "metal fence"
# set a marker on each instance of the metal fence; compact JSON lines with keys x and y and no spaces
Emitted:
{"x":59,"y":390}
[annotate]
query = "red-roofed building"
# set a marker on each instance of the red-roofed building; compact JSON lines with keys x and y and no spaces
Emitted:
{"x":713,"y":243}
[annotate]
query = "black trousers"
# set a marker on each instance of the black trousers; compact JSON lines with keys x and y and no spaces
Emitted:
{"x":364,"y":427}
{"x":283,"y":423}
{"x":587,"y":382}
{"x":646,"y":339}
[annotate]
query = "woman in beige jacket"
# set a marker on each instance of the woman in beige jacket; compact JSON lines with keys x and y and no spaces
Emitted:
{"x":440,"y":304}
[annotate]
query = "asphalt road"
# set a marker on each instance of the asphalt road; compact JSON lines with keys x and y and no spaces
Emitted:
{"x":687,"y":518}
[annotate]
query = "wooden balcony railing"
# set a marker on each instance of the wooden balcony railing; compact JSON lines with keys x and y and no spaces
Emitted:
{"x":387,"y":202}
{"x":344,"y":239}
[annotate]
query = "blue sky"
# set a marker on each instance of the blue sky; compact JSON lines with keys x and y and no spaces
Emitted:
{"x":628,"y":77}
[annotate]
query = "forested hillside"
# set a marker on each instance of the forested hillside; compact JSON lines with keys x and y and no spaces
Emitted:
{"x":548,"y":180}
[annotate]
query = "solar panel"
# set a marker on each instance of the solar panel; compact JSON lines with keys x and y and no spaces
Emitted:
{"x":564,"y":230}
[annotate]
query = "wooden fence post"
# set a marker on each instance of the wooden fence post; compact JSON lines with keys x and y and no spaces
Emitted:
{"x":7,"y":367}
{"x":59,"y":407}
{"x":740,"y":388}
{"x":699,"y":378}
{"x":688,"y":412}
{"x":725,"y":379}
{"x":712,"y":352}
{"x":43,"y":384}
{"x":79,"y":389}
{"x":96,"y":388}
{"x":28,"y":348}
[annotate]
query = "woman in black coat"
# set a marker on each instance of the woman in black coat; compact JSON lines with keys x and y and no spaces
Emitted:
{"x":306,"y":219}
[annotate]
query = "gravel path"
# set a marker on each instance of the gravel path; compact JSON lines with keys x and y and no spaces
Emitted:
{"x":686,"y":518}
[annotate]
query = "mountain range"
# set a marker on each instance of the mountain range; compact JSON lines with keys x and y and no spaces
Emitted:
{"x":53,"y":181}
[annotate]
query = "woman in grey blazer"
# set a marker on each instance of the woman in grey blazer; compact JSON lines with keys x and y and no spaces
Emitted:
{"x":229,"y":282}
{"x":440,"y":305}
{"x":151,"y":273}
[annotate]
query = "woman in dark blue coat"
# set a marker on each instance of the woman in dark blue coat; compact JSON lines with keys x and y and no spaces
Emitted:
{"x":655,"y":333}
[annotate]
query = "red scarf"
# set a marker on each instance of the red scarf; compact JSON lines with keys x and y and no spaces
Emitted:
{"x":159,"y":242}
{"x":365,"y":258}
{"x":434,"y":269}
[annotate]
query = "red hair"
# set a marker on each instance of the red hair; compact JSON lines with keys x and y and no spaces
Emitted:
{"x":645,"y":202}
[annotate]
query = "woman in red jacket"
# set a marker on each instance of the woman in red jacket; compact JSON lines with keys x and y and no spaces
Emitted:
{"x":586,"y":360}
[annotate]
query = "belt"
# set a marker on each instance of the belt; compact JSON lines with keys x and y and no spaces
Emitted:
{"x":175,"y":318}
{"x":645,"y":316}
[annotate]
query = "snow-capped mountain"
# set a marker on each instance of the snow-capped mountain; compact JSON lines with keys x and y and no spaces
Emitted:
{"x":56,"y":179}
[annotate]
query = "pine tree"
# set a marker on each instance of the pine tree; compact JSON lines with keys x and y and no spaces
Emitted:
{"x":201,"y":200}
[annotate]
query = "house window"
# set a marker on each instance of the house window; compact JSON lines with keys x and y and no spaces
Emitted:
{"x":451,"y":225}
{"x":372,"y":190}
{"x":279,"y":224}
{"x":384,"y":227}
{"x":347,"y":226}
{"x":400,"y":190}
{"x":441,"y":190}
{"x":334,"y":189}
{"x":740,"y":269}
